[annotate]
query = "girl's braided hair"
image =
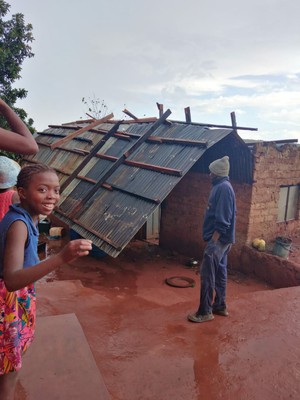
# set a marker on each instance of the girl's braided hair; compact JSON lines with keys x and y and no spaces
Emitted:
{"x":28,"y":171}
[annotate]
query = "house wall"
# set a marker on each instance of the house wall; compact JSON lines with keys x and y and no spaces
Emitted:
{"x":272,"y":168}
{"x":182,"y":215}
{"x":257,"y":205}
{"x":183,"y":211}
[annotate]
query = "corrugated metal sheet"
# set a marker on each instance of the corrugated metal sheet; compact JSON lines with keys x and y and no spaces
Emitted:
{"x":111,"y":212}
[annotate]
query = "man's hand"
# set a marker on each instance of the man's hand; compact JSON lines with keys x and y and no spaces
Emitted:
{"x":215,"y":236}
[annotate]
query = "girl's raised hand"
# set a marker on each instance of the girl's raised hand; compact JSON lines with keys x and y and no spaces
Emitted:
{"x":75,"y":248}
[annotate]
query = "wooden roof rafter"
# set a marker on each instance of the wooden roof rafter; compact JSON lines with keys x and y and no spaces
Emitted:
{"x":140,"y":120}
{"x":141,"y":165}
{"x":86,"y":128}
{"x":127,"y":112}
{"x":74,"y":151}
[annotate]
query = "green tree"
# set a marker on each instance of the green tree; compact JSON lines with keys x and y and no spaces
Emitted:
{"x":15,"y":39}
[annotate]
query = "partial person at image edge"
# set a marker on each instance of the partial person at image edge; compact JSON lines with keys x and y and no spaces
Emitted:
{"x":9,"y":170}
{"x":19,"y":139}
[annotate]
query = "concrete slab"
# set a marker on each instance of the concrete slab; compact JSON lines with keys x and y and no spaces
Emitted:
{"x":59,"y":364}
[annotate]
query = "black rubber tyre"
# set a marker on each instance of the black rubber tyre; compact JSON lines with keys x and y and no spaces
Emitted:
{"x":180,"y":281}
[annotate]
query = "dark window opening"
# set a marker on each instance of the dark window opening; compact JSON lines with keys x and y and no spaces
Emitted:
{"x":288,"y":203}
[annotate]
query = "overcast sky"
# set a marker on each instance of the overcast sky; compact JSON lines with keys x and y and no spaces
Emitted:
{"x":215,"y":56}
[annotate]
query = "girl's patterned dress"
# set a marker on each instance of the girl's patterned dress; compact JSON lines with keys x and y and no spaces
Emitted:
{"x":17,"y":324}
{"x":17,"y":309}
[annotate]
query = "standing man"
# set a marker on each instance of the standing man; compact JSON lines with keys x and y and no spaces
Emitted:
{"x":219,"y":233}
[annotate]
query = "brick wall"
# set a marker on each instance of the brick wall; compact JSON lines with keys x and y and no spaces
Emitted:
{"x":272,"y":168}
{"x":183,"y":212}
{"x":182,"y":215}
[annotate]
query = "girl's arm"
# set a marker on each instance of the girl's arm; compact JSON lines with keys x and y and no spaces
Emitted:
{"x":20,"y":139}
{"x":17,"y":277}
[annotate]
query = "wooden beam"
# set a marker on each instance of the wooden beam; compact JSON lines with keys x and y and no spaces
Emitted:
{"x":160,"y":109}
{"x":80,"y":139}
{"x":75,"y":151}
{"x":83,"y":151}
{"x":85,"y":178}
{"x":125,"y":111}
{"x":152,"y":167}
{"x":93,"y":118}
{"x":187,"y":112}
{"x":233,"y":120}
{"x":64,"y":126}
{"x":80,"y":131}
{"x":146,"y":119}
{"x":138,"y":164}
{"x":122,"y":136}
{"x":107,"y":186}
{"x":187,"y":142}
{"x":107,"y":157}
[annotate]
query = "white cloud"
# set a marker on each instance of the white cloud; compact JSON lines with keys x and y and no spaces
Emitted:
{"x":213,"y":56}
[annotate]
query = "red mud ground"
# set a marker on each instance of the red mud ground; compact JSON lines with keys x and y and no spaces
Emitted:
{"x":143,"y":345}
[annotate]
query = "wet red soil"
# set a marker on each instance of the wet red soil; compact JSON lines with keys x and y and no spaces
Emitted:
{"x":143,"y":345}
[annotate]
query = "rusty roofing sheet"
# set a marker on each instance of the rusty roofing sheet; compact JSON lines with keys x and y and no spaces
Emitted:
{"x":116,"y":209}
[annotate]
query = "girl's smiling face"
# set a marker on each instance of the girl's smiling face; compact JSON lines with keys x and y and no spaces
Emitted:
{"x":41,"y":195}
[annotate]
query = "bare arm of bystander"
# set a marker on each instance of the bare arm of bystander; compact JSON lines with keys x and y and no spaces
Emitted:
{"x":19,"y":139}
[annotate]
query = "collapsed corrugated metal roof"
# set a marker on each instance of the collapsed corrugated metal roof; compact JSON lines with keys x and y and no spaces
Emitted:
{"x":115,"y":174}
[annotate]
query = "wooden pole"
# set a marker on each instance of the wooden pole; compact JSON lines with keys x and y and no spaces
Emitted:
{"x":187,"y":112}
{"x":233,"y":120}
{"x":80,"y":131}
{"x":160,"y":109}
{"x":125,"y":111}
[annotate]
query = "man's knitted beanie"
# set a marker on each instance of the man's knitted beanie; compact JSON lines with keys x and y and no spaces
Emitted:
{"x":220,"y":167}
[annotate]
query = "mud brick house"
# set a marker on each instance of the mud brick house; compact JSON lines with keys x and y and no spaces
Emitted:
{"x":115,"y":175}
{"x":268,"y":206}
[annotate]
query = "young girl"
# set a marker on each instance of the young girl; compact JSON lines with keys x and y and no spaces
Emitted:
{"x":9,"y":170}
{"x":19,"y":140}
{"x":20,"y":267}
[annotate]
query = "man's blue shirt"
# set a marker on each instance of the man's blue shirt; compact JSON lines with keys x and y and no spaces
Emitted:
{"x":220,"y":214}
